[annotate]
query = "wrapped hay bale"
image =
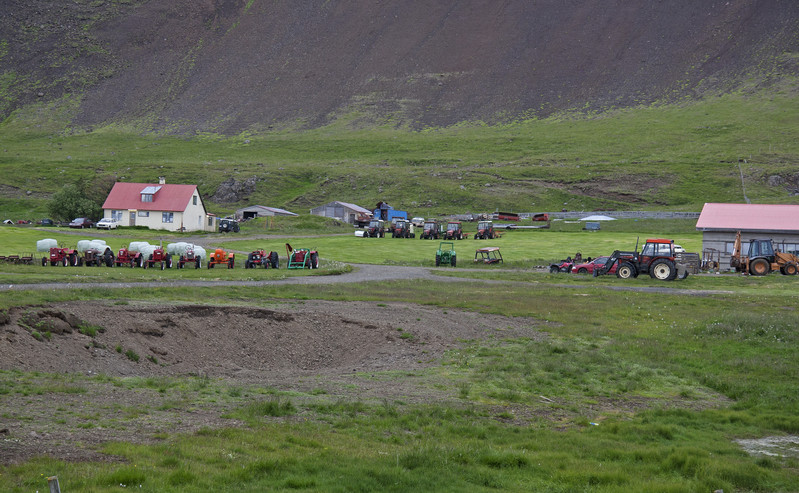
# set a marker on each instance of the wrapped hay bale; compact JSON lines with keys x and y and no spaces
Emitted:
{"x":135,"y":246}
{"x":178,"y":248}
{"x":84,"y":245}
{"x":147,"y":250}
{"x":46,"y":244}
{"x":200,"y":252}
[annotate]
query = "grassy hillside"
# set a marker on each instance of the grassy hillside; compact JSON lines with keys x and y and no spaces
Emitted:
{"x":656,"y":157}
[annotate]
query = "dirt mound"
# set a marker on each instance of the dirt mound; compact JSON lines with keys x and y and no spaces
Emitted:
{"x":243,"y":343}
{"x":231,"y":65}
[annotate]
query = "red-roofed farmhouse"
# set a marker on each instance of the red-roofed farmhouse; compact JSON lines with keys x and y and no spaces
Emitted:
{"x":158,"y":206}
{"x":720,"y":222}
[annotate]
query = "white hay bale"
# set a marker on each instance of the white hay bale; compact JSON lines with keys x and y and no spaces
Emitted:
{"x":46,"y":244}
{"x":135,"y":246}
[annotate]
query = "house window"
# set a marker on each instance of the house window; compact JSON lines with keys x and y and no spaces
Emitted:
{"x":210,"y":221}
{"x":167,"y":217}
{"x":144,"y":213}
{"x":146,"y":197}
{"x":194,"y":200}
{"x":116,"y":215}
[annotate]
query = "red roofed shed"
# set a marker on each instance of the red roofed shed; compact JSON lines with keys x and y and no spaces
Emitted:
{"x":720,"y":222}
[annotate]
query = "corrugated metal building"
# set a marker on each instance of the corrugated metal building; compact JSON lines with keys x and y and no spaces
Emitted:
{"x":342,"y":211}
{"x":720,"y":222}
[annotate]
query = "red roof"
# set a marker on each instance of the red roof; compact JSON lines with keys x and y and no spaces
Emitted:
{"x":171,"y":198}
{"x":749,"y":217}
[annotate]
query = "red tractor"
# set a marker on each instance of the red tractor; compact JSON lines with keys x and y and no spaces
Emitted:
{"x":455,"y":231}
{"x":260,"y":257}
{"x":95,"y":257}
{"x":126,"y":257}
{"x":189,"y":258}
{"x":302,"y":258}
{"x":485,"y":231}
{"x":431,"y":230}
{"x":657,"y":259}
{"x":63,"y":256}
{"x":220,"y":257}
{"x":402,"y":228}
{"x":158,"y":257}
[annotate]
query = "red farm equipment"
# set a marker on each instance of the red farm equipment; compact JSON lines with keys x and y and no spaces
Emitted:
{"x":220,"y":257}
{"x":126,"y":257}
{"x":302,"y":258}
{"x":485,"y":231}
{"x":657,"y":258}
{"x":455,"y":231}
{"x":95,"y":257}
{"x":158,"y":258}
{"x":63,"y":256}
{"x":189,"y":257}
{"x":260,"y":257}
{"x":432,"y":230}
{"x":402,"y":228}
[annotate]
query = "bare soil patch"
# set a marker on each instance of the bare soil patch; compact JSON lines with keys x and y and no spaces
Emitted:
{"x":340,"y":349}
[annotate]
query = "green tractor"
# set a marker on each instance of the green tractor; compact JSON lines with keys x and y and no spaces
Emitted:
{"x":446,"y":254}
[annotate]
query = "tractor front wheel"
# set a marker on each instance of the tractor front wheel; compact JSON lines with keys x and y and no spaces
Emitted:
{"x":169,"y":261}
{"x":197,"y":263}
{"x":663,"y":270}
{"x":44,"y":261}
{"x":759,"y":267}
{"x":625,"y":271}
{"x":790,"y":269}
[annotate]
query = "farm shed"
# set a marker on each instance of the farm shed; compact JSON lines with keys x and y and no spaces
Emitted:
{"x":158,"y":206}
{"x":261,"y":211}
{"x":342,"y":211}
{"x":720,"y":222}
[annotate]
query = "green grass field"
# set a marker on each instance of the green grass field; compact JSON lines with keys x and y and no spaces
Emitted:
{"x":664,"y":157}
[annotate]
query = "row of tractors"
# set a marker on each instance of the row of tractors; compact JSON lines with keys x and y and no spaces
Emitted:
{"x":183,"y":256}
{"x":431,"y":230}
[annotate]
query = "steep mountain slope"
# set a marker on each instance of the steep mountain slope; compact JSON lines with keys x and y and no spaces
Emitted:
{"x":228,"y":66}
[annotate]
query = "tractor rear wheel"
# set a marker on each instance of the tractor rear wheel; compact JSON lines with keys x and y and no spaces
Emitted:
{"x":274,"y":260}
{"x":790,"y":269}
{"x":44,"y":261}
{"x":168,"y":261}
{"x":759,"y":267}
{"x":663,"y":270}
{"x":625,"y":271}
{"x":314,"y":260}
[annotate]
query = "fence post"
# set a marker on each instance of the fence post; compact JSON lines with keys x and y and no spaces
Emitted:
{"x":52,"y":481}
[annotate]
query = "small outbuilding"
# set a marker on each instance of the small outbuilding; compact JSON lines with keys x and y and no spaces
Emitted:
{"x":719,"y":224}
{"x":342,"y":211}
{"x":261,"y":211}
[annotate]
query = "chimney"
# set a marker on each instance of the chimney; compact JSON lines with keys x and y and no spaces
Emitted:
{"x":161,"y":180}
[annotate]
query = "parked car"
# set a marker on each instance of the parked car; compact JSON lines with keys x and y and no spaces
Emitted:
{"x":228,"y":225}
{"x":678,"y":249}
{"x":46,"y":222}
{"x":418,"y":222}
{"x":81,"y":222}
{"x":107,"y":223}
{"x":588,"y":267}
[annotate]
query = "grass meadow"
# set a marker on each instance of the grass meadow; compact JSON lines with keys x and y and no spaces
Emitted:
{"x":629,"y":391}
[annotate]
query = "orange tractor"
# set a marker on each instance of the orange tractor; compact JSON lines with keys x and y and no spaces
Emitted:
{"x":221,"y":257}
{"x":762,"y":258}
